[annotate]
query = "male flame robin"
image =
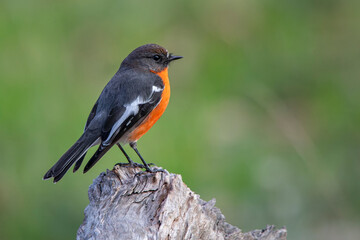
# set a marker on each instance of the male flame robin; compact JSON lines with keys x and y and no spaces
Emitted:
{"x":130,"y":104}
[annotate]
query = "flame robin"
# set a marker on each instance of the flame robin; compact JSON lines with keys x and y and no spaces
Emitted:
{"x":130,"y":104}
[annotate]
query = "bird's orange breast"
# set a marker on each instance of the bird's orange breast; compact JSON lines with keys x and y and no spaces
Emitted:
{"x":151,"y":119}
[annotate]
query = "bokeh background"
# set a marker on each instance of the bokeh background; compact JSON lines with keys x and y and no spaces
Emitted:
{"x":264,"y":114}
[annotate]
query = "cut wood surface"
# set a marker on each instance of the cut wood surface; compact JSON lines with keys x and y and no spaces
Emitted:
{"x":127,"y":205}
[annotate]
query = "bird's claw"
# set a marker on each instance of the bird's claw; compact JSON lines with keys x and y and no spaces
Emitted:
{"x":133,"y":165}
{"x":150,"y":170}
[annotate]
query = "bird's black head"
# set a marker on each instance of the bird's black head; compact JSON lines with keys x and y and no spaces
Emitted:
{"x":149,"y":57}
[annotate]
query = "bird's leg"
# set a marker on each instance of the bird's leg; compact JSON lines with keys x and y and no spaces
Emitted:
{"x":131,"y":162}
{"x":123,"y":151}
{"x":133,"y":145}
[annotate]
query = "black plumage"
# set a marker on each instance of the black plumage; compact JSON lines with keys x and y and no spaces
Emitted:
{"x":132,"y":93}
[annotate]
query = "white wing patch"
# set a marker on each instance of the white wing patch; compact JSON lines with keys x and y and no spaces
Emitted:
{"x":156,"y":89}
{"x":131,"y":109}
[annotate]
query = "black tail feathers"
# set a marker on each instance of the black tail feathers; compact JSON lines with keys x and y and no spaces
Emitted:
{"x":96,"y":157}
{"x":75,"y":154}
{"x":79,"y":162}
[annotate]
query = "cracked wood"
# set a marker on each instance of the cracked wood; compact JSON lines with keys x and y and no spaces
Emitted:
{"x":127,"y":205}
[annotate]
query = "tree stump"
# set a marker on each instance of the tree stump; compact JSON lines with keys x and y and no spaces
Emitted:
{"x":128,"y":204}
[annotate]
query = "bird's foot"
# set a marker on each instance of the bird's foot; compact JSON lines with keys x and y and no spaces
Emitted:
{"x":133,"y":165}
{"x":150,"y":170}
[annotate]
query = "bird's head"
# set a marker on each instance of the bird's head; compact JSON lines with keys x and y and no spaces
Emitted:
{"x":150,"y":57}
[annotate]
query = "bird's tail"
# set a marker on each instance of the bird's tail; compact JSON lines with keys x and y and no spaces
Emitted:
{"x":97,"y":155}
{"x":74,"y":154}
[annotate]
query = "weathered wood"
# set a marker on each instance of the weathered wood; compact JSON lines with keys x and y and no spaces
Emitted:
{"x":127,"y":205}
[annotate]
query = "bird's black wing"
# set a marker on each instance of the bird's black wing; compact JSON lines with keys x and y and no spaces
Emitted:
{"x":90,"y":118}
{"x":125,"y":101}
{"x":142,"y":96}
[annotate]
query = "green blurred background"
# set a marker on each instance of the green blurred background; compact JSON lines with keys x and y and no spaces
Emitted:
{"x":264,"y":114}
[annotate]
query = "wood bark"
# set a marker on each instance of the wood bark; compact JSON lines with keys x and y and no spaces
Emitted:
{"x":128,"y":204}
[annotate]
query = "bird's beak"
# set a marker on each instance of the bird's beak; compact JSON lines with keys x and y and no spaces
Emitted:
{"x":172,"y":58}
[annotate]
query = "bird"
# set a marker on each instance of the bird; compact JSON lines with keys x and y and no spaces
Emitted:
{"x":129,"y":105}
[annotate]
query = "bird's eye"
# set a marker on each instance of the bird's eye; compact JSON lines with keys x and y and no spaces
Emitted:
{"x":156,"y":57}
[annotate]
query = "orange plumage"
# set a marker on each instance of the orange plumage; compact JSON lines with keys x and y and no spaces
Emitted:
{"x":157,"y":112}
